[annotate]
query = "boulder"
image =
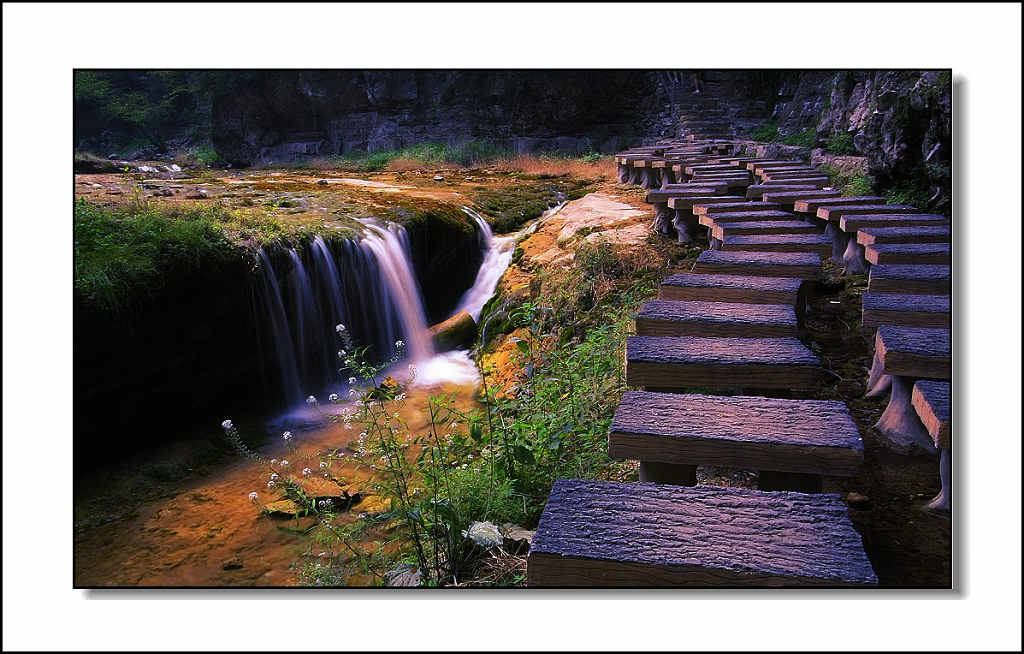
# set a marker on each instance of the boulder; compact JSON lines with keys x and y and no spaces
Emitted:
{"x":459,"y":330}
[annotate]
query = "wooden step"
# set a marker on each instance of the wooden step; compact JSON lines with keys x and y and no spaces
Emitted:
{"x":909,"y":310}
{"x":709,"y":167}
{"x":759,"y":168}
{"x":722,"y":230}
{"x":608,"y":534}
{"x":658,"y":195}
{"x":923,"y":234}
{"x":924,"y":280}
{"x":853,"y":224}
{"x":700,"y":209}
{"x":817,"y":183}
{"x":782,"y":177}
{"x":790,"y":197}
{"x":731,"y":288}
{"x":916,"y":352}
{"x":908,"y":253}
{"x":803,"y":265}
{"x":811,"y":206}
{"x":686,"y":204}
{"x":757,"y":191}
{"x":675,"y":318}
{"x":835,"y":212}
{"x":818,"y":243}
{"x":931,"y":400}
{"x":764,"y":215}
{"x":674,"y":363}
{"x":754,"y":433}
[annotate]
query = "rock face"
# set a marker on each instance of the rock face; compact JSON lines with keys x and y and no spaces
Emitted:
{"x":277,"y":116}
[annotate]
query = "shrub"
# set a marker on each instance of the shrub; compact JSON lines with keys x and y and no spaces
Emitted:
{"x":806,"y":138}
{"x":767,"y":133}
{"x":840,"y":143}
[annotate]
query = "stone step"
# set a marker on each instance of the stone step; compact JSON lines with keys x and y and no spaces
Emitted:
{"x":701,"y":209}
{"x":910,"y":279}
{"x":757,"y":191}
{"x":811,"y":206}
{"x":817,"y":437}
{"x":608,"y":534}
{"x":908,"y":253}
{"x":818,"y":243}
{"x":835,"y":212}
{"x":909,"y":310}
{"x":676,"y":363}
{"x":723,"y":230}
{"x":931,"y":400}
{"x":915,"y":352}
{"x":923,"y":234}
{"x":763,"y":215}
{"x":731,"y":288}
{"x":675,"y":318}
{"x":803,"y":265}
{"x":790,"y":197}
{"x":853,"y":224}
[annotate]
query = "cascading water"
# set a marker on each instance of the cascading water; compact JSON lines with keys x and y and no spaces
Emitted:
{"x":498,"y":251}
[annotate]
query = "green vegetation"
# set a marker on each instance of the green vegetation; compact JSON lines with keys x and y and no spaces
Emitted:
{"x":511,"y":207}
{"x":766,"y":133}
{"x":851,"y":183}
{"x":806,"y":138}
{"x":840,"y":143}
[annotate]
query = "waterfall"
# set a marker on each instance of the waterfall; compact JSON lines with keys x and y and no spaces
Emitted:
{"x":279,"y":329}
{"x":497,"y":257}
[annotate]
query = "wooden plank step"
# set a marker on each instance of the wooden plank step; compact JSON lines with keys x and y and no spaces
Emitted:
{"x":816,"y":437}
{"x":776,"y":163}
{"x":835,"y":212}
{"x":818,"y":243}
{"x":757,"y":191}
{"x":764,"y":215}
{"x":922,"y":234}
{"x":697,"y":362}
{"x":700,"y":209}
{"x":818,"y":183}
{"x":917,"y":352}
{"x":915,"y":279}
{"x":931,"y":400}
{"x":803,"y":265}
{"x":703,"y":168}
{"x":657,"y":195}
{"x":675,"y":318}
{"x":910,"y":310}
{"x":790,"y":197}
{"x":852,"y":224}
{"x":687,"y":203}
{"x":731,"y":288}
{"x":811,"y":206}
{"x":608,"y":534}
{"x":908,"y":253}
{"x":722,"y":230}
{"x":794,"y":174}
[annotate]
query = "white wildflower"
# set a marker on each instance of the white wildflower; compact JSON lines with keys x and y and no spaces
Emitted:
{"x":351,"y":392}
{"x":311,"y":401}
{"x":341,"y":354}
{"x":399,"y":344}
{"x":333,"y":397}
{"x":227,"y":425}
{"x":253,"y":496}
{"x":400,"y":397}
{"x":306,"y":471}
{"x":274,"y":476}
{"x":273,"y":462}
{"x":323,"y":464}
{"x":351,"y":381}
{"x":484,"y":534}
{"x":339,"y":328}
{"x":271,"y":484}
{"x":284,"y":463}
{"x":287,"y":435}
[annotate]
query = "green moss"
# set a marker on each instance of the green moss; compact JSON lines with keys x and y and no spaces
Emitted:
{"x":767,"y":133}
{"x":840,"y":143}
{"x":511,"y":207}
{"x":806,"y":138}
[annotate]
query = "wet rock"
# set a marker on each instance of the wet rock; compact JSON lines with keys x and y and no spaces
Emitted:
{"x":234,"y":563}
{"x":403,"y":577}
{"x":458,"y":330}
{"x":198,"y":194}
{"x":438,"y":178}
{"x":322,"y":182}
{"x":163,"y":192}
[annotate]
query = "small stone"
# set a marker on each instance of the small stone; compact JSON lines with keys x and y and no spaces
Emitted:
{"x":234,"y":563}
{"x":322,"y":182}
{"x":199,"y":194}
{"x":858,"y":501}
{"x":438,"y":178}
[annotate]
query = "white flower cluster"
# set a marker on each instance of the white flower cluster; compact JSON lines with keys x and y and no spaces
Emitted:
{"x":287,"y":436}
{"x":311,"y":401}
{"x":484,"y":534}
{"x":227,"y":425}
{"x":333,"y":398}
{"x":253,"y":496}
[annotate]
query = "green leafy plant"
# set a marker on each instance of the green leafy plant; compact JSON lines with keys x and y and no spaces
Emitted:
{"x":840,"y":143}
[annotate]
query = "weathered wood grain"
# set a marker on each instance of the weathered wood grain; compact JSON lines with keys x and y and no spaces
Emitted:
{"x":931,"y":400}
{"x":911,"y":279}
{"x":781,"y":177}
{"x":754,"y":433}
{"x":837,"y":211}
{"x":817,"y":243}
{"x":687,"y":203}
{"x":789,"y":197}
{"x":723,"y":229}
{"x":660,"y":195}
{"x":730,"y":288}
{"x":814,"y":182}
{"x":811,"y":206}
{"x":776,"y":163}
{"x":852,"y":224}
{"x":696,"y":168}
{"x":607,"y":534}
{"x":879,"y":309}
{"x":700,"y":209}
{"x":804,"y":265}
{"x":757,"y":191}
{"x":922,"y":234}
{"x":908,"y":253}
{"x":760,"y":215}
{"x":720,"y":363}
{"x":915,"y":352}
{"x":681,"y":318}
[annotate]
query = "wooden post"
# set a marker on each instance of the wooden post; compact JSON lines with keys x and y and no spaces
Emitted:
{"x":941,"y":504}
{"x":668,"y":473}
{"x":853,"y":258}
